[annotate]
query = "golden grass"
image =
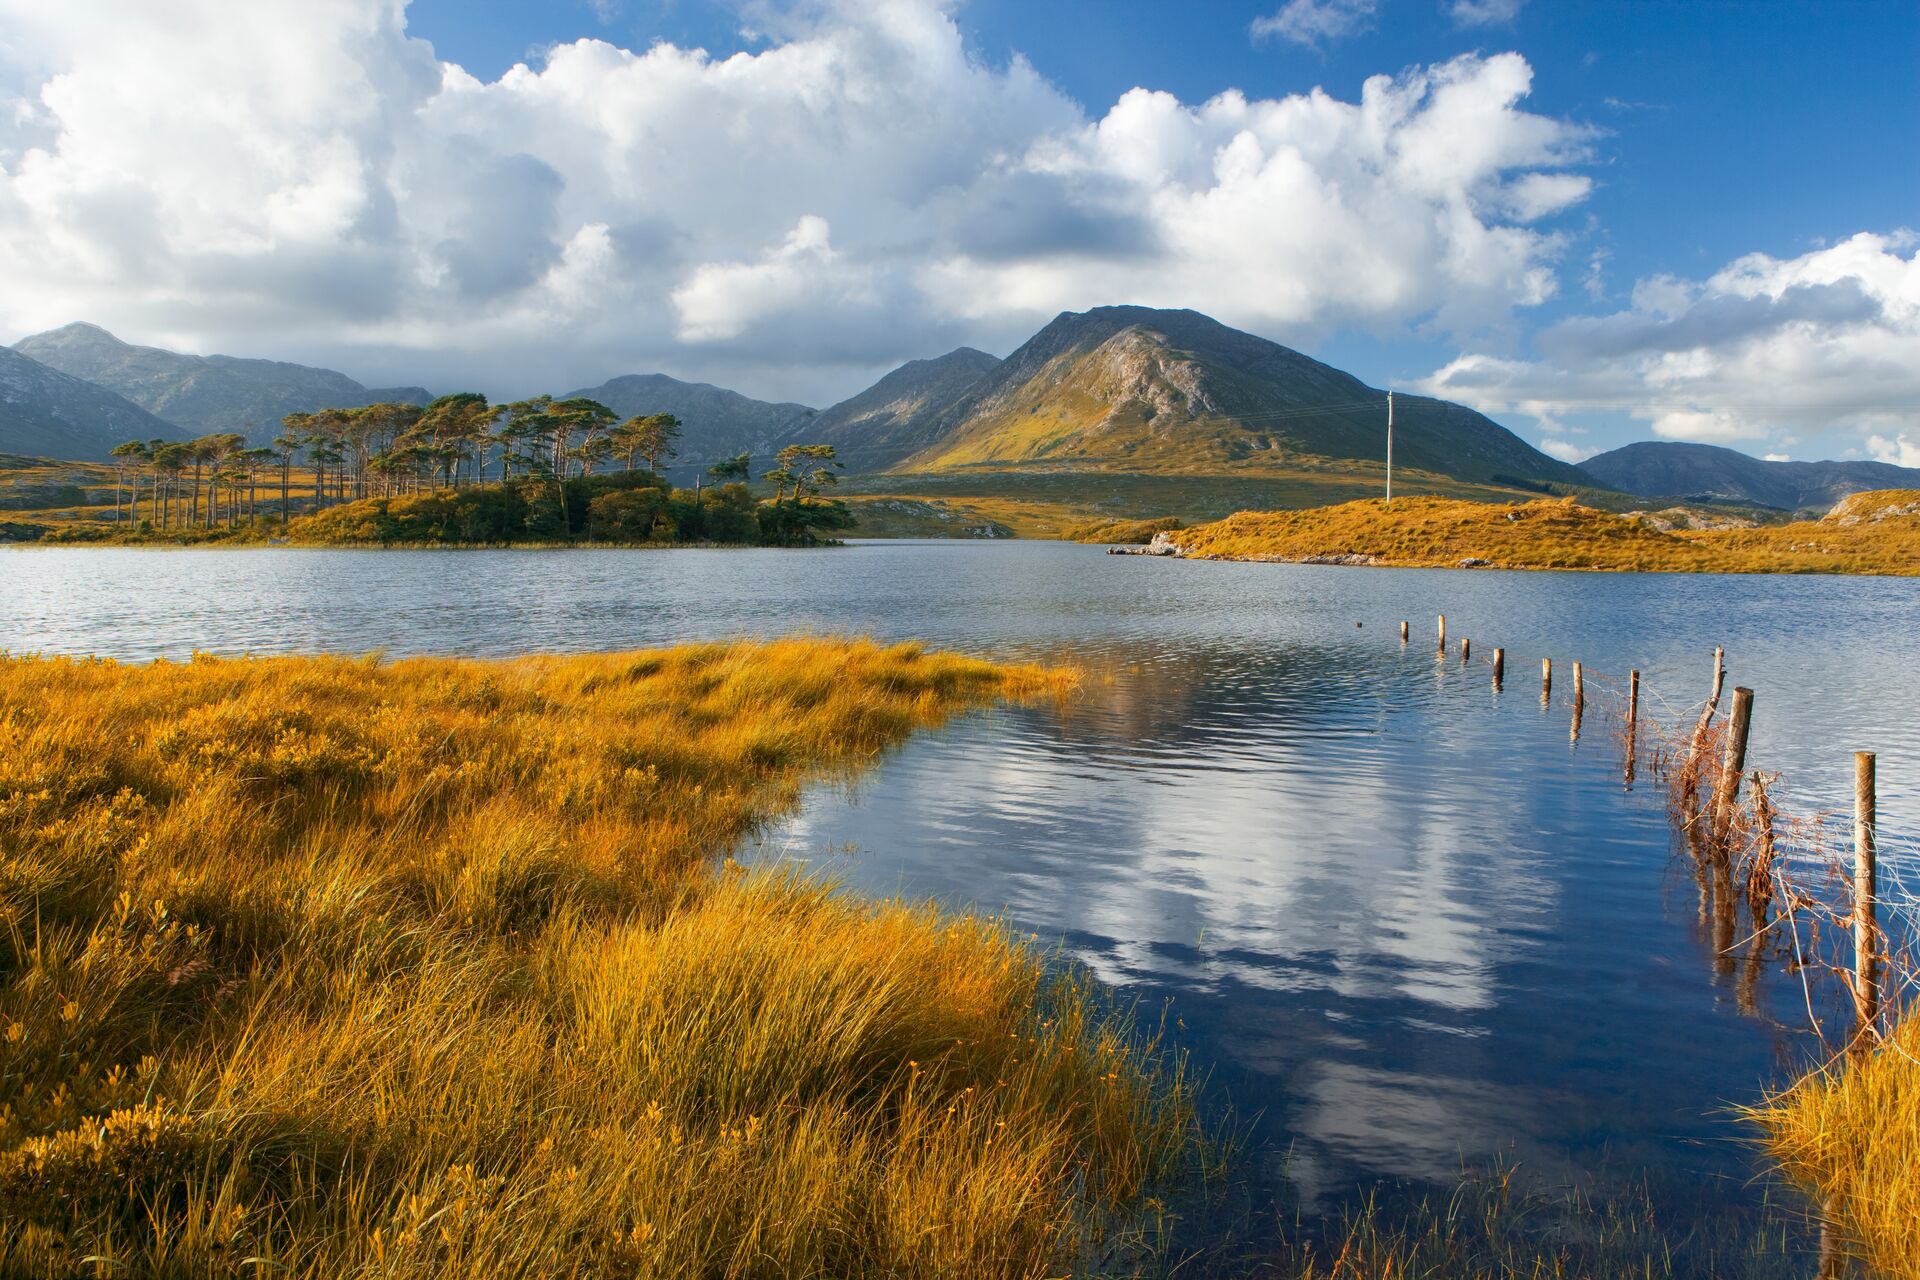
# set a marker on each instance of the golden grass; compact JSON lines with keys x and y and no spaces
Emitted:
{"x":1126,"y":532}
{"x":319,"y":967}
{"x":1554,"y":534}
{"x":1850,"y":1135}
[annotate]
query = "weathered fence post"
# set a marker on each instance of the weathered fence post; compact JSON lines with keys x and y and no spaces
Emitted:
{"x":1713,"y":703}
{"x":1443,"y":633}
{"x":1546,"y":680}
{"x":1732,"y":765}
{"x":1499,"y":666}
{"x":1403,"y":632}
{"x":1466,"y":647}
{"x":1866,"y":942}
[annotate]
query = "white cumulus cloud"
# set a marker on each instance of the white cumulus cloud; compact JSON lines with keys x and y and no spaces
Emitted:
{"x":1901,"y":450}
{"x":309,"y":180}
{"x":1763,"y":349}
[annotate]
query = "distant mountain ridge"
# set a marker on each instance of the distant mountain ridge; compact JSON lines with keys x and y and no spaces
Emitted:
{"x":1675,"y":469}
{"x":715,"y":423}
{"x":202,"y":394}
{"x":49,"y":414}
{"x":1142,"y":388}
{"x":1119,"y":389}
{"x":903,"y":412}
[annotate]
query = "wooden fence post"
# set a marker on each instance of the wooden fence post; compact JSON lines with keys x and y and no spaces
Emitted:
{"x":1499,"y":666}
{"x":1546,"y":680}
{"x":1443,"y":633}
{"x":1466,"y":647}
{"x":1633,"y":706}
{"x":1403,"y":632}
{"x":1866,"y":941}
{"x":1579,"y":688}
{"x":1713,"y":703}
{"x":1732,"y":765}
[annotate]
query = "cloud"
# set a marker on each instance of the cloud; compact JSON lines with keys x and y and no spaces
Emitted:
{"x":1485,"y":13}
{"x":308,"y":180}
{"x":1901,"y":450}
{"x":1310,"y":22}
{"x":1828,"y":341}
{"x":1565,"y":450}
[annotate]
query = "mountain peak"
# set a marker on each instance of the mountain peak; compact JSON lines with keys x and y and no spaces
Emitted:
{"x":78,"y":332}
{"x":1173,"y":390}
{"x":199,"y":393}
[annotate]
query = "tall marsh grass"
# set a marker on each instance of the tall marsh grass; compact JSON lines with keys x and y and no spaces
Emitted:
{"x":327,"y":967}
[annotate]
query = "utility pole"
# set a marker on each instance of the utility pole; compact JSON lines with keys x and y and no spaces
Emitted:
{"x":1389,"y":448}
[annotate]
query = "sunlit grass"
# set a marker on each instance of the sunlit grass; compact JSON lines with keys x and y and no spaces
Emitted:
{"x":1125,"y":532}
{"x":1557,"y":534}
{"x":324,"y":967}
{"x":1850,"y":1134}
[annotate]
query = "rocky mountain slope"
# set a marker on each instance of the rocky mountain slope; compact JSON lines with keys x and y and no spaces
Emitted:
{"x":903,"y":412}
{"x":1142,"y":389}
{"x":202,"y":394}
{"x":1671,"y":469}
{"x":45,"y":413}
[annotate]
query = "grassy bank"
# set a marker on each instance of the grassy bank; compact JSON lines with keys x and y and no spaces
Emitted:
{"x":316,"y":967}
{"x":1877,"y":533}
{"x":1850,"y":1135}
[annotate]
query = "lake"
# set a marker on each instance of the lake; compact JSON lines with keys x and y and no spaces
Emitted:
{"x":1399,"y":914}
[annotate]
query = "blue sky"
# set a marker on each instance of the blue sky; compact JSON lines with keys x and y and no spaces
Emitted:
{"x":1556,"y":225}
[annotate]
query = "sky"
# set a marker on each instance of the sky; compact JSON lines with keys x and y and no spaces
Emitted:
{"x":1597,"y":222}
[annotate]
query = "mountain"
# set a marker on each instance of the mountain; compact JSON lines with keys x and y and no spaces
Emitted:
{"x":45,"y":413}
{"x":902,"y":413}
{"x":1141,"y":389}
{"x":1670,"y":469}
{"x":714,"y":423}
{"x":204,"y":394}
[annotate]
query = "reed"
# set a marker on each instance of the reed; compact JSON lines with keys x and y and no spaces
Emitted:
{"x":1491,"y":1226}
{"x":1850,"y":1134}
{"x":321,"y":966}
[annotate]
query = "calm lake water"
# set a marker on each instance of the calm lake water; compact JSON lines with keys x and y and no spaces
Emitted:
{"x":1399,"y":914}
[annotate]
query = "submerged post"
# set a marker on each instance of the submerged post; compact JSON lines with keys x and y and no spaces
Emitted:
{"x":1546,"y":680}
{"x":1499,"y":666}
{"x":1579,"y":702}
{"x":1403,"y":632}
{"x":1466,"y":647}
{"x":1443,"y":633}
{"x":1731,"y":766}
{"x":1633,"y":721}
{"x":1866,"y":943}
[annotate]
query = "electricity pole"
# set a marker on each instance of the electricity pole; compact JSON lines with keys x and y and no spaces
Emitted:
{"x":1389,"y":448}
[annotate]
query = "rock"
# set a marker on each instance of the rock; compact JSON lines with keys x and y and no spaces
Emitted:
{"x":1474,"y":562}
